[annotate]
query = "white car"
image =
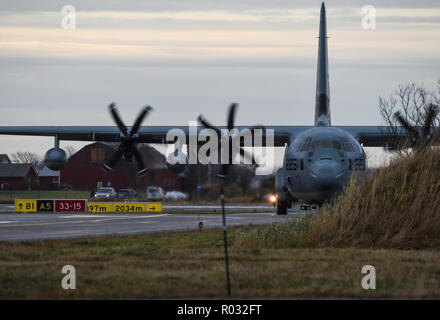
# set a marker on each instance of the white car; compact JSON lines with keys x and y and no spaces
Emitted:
{"x":155,"y":194}
{"x":175,"y":195}
{"x":107,"y":192}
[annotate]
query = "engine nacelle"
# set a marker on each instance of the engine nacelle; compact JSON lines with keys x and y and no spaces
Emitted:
{"x":176,"y":162}
{"x":55,"y":159}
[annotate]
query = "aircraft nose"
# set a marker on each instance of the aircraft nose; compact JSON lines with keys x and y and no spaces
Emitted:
{"x":327,"y":174}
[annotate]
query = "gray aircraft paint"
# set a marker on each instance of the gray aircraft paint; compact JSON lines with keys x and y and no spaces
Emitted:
{"x":322,"y":106}
{"x":318,"y":163}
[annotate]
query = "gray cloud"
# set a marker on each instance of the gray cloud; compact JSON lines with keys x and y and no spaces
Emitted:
{"x":185,"y":5}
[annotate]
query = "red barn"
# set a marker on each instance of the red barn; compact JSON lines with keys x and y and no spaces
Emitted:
{"x":84,"y":169}
{"x":17,"y":176}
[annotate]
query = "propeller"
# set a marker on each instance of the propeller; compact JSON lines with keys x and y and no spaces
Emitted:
{"x":230,"y":125}
{"x":128,"y":147}
{"x":420,"y":136}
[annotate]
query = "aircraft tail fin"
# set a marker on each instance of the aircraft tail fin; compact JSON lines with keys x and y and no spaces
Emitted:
{"x":322,"y":106}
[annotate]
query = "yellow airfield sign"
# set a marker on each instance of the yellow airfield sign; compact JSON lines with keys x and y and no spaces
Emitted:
{"x":132,"y":207}
{"x":99,"y":207}
{"x":154,"y":207}
{"x":26,"y":205}
{"x":41,"y":205}
{"x":129,"y":207}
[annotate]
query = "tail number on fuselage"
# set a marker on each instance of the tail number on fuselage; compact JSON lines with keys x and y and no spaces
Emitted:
{"x":292,"y":164}
{"x":359,"y":164}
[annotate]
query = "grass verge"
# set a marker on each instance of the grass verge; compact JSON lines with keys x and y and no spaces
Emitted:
{"x":191,"y":265}
{"x":390,"y":222}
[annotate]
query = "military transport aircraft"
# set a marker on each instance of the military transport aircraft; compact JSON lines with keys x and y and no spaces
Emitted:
{"x":318,"y":159}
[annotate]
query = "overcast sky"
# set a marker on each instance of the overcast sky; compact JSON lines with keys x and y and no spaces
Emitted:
{"x":185,"y":57}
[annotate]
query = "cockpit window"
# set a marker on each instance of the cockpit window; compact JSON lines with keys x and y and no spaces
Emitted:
{"x":346,"y":145}
{"x":340,"y":143}
{"x":308,"y":145}
{"x":326,"y":144}
{"x":336,"y":145}
{"x":305,"y":145}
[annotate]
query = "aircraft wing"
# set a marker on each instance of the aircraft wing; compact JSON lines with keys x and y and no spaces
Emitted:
{"x":150,"y":134}
{"x":368,"y":136}
{"x":376,"y":136}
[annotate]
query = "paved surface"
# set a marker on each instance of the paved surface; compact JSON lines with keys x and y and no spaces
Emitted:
{"x":7,"y":208}
{"x":188,"y":207}
{"x":22,"y":227}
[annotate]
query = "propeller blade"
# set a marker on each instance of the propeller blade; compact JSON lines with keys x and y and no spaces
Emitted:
{"x":204,"y":122}
{"x":114,"y":159}
{"x":139,"y":119}
{"x":117,"y":118}
{"x":231,"y":115}
{"x":139,"y":160}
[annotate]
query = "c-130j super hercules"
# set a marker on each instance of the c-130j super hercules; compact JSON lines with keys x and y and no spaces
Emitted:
{"x":318,"y":159}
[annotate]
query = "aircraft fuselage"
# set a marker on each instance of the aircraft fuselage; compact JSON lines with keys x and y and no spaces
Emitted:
{"x":319,"y":162}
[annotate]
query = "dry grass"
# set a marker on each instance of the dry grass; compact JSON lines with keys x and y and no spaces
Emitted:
{"x":191,"y":265}
{"x":399,"y":208}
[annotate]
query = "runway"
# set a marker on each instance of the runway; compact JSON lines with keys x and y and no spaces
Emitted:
{"x":26,"y":227}
{"x":206,"y":208}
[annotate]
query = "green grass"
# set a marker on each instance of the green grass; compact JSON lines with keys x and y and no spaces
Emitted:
{"x":191,"y":265}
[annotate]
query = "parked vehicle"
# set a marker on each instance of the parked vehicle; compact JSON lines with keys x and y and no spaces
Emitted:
{"x":107,"y":192}
{"x":155,"y":194}
{"x":175,"y":195}
{"x":126,"y":193}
